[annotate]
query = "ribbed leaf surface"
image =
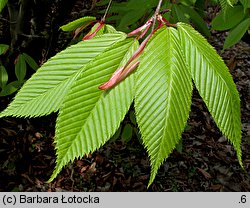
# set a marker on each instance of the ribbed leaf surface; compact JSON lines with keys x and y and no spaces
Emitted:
{"x":89,"y":116}
{"x":44,"y":92}
{"x":163,"y":96}
{"x":214,"y":83}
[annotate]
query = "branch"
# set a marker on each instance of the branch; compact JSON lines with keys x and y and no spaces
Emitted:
{"x":106,"y":12}
{"x":157,"y":11}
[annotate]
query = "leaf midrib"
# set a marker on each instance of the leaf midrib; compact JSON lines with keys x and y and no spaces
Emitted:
{"x":85,"y":122}
{"x":168,"y":98}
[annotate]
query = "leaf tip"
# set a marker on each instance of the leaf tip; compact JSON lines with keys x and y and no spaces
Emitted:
{"x":152,"y":176}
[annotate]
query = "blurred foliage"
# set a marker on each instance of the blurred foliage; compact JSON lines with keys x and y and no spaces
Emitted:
{"x":11,"y":55}
{"x":234,"y":15}
{"x":20,"y":64}
{"x":236,"y":19}
{"x":128,"y":15}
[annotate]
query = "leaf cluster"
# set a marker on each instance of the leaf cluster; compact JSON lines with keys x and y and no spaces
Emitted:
{"x":161,"y":89}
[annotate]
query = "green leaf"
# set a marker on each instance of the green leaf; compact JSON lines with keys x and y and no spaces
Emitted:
{"x":236,"y":33}
{"x":3,"y":76}
{"x":228,"y":20}
{"x":3,"y":48}
{"x":77,"y":23}
{"x":126,"y":14}
{"x":245,"y":3}
{"x":116,"y":135}
{"x":101,"y":31}
{"x":225,"y":4}
{"x":179,"y":146}
{"x":201,"y":7}
{"x":3,"y":4}
{"x":102,"y":3}
{"x":188,"y":2}
{"x":132,"y":117}
{"x":232,"y":2}
{"x":30,"y":61}
{"x":136,"y":5}
{"x":130,"y":18}
{"x":127,"y":133}
{"x":89,"y":116}
{"x":163,"y":96}
{"x":44,"y":92}
{"x":179,"y":14}
{"x":196,"y":19}
{"x":120,"y":7}
{"x":109,"y":29}
{"x":20,"y":68}
{"x":214,"y":83}
{"x":10,"y":88}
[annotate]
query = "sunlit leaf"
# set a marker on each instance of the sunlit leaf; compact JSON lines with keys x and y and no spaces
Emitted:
{"x":163,"y":96}
{"x":89,"y":116}
{"x":44,"y":92}
{"x":214,"y":83}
